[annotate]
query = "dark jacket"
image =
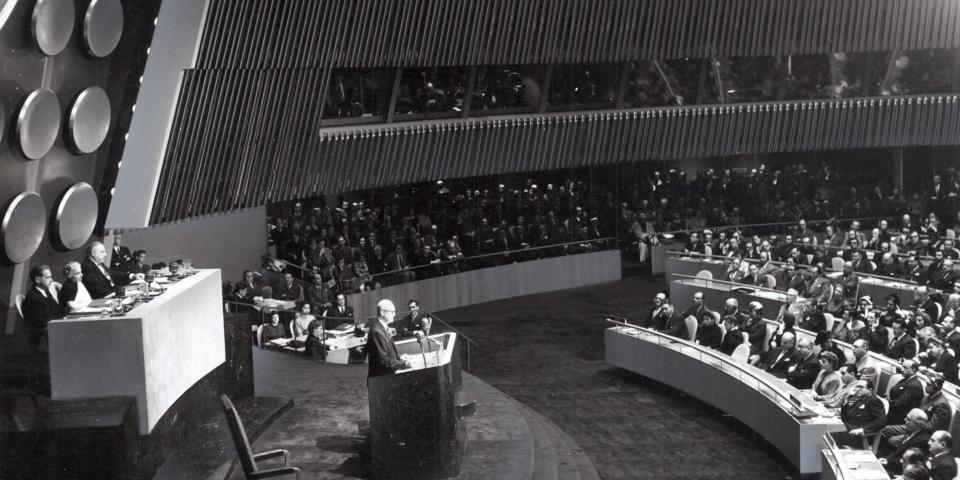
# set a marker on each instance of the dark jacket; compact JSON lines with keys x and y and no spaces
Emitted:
{"x":903,"y":347}
{"x":39,"y":309}
{"x":676,"y":326}
{"x":864,"y":412}
{"x":942,"y":466}
{"x":904,"y":396}
{"x":804,"y":373}
{"x":381,"y":352}
{"x":710,"y":337}
{"x":98,"y":284}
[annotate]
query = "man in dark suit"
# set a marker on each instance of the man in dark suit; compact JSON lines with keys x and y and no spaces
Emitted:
{"x":415,"y":324}
{"x":339,"y":314}
{"x":778,"y":360}
{"x":905,"y":395}
{"x":941,"y":463}
{"x":400,"y":265}
{"x":252,"y":286}
{"x":806,"y":367}
{"x":381,"y":352}
{"x":755,"y":327}
{"x":939,"y":359}
{"x":99,"y":280}
{"x":916,"y":437}
{"x":318,"y":295}
{"x":902,"y":346}
{"x":935,"y":406}
{"x":696,"y":310}
{"x":862,"y":413}
{"x":675,"y":324}
{"x":654,"y":318}
{"x":120,"y":257}
{"x":733,"y":337}
{"x":39,"y":306}
{"x":289,"y":290}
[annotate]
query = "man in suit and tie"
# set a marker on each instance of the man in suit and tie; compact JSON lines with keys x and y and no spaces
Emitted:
{"x":399,"y":264}
{"x":99,"y":280}
{"x":675,"y":325}
{"x":935,"y":406}
{"x":939,"y":359}
{"x":916,"y":437}
{"x":941,"y":463}
{"x":805,"y":368}
{"x":120,"y":257}
{"x":39,"y":305}
{"x":415,"y":324}
{"x":902,"y":345}
{"x":778,"y":360}
{"x":381,"y":351}
{"x":696,"y":310}
{"x":339,"y":314}
{"x":862,"y":413}
{"x":905,"y":395}
{"x":654,"y":318}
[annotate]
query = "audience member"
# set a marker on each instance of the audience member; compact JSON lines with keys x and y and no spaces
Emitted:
{"x":906,"y":395}
{"x":73,"y":293}
{"x":863,"y":415}
{"x":273,"y":330}
{"x":39,"y":305}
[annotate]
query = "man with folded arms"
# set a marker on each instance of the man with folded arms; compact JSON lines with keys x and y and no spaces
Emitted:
{"x":778,"y":360}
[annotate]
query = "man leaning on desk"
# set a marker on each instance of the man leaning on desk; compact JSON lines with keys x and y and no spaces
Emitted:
{"x":100,"y":280}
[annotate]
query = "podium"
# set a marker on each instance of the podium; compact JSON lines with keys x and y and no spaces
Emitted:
{"x":416,"y":415}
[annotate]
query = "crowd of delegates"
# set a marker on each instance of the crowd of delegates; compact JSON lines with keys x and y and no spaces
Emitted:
{"x":426,"y":230}
{"x":83,"y":281}
{"x":923,"y":336}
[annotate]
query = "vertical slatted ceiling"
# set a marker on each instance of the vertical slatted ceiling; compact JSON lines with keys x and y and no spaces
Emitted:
{"x":242,"y":140}
{"x":362,"y":33}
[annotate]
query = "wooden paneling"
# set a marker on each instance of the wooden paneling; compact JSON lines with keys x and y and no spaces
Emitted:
{"x":226,"y":154}
{"x":362,"y":33}
{"x":496,"y":283}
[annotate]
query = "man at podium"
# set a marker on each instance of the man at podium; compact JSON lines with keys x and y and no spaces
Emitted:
{"x":381,"y":351}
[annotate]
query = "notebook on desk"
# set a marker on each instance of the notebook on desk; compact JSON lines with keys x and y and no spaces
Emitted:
{"x":98,"y":303}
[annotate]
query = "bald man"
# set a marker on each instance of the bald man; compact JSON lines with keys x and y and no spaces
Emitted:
{"x":381,"y":351}
{"x":656,"y":319}
{"x":916,"y":437}
{"x":99,"y":280}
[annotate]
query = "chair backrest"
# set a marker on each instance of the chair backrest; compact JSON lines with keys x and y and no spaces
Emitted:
{"x":741,"y":353}
{"x":771,"y":329}
{"x":886,"y":404}
{"x":836,"y":263}
{"x":810,"y":258}
{"x":705,"y":274}
{"x":894,"y":248}
{"x":707,"y":250}
{"x":260,"y":336}
{"x":770,"y":280}
{"x":55,"y":291}
{"x":746,"y":338}
{"x":873,"y":266}
{"x":691,"y":327}
{"x":723,"y":330}
{"x":829,"y":320}
{"x":916,"y":346}
{"x":19,"y":302}
{"x":290,"y":328}
{"x":240,"y":440}
{"x":894,"y":380}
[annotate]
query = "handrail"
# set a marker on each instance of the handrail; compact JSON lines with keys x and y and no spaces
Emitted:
{"x":777,"y":385}
{"x":754,"y":225}
{"x":754,"y":260}
{"x":728,"y":282}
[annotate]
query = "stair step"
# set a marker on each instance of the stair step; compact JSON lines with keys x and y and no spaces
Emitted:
{"x":564,"y":462}
{"x":544,"y":453}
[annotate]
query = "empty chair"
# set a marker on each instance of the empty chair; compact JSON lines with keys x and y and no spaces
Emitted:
{"x":771,"y":282}
{"x":836,"y":263}
{"x":894,"y":380}
{"x":771,"y":329}
{"x":691,"y":327}
{"x":707,"y":274}
{"x":741,"y":353}
{"x":19,"y":303}
{"x":260,"y":336}
{"x":248,"y":459}
{"x":723,"y":330}
{"x":830,"y":320}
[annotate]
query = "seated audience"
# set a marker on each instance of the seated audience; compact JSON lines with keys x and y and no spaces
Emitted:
{"x":941,"y":464}
{"x":733,"y":338}
{"x":415,"y":324}
{"x":289,"y":290}
{"x":709,"y":333}
{"x":906,"y":395}
{"x":848,"y":377}
{"x":778,"y":360}
{"x":828,"y":379}
{"x":99,"y":280}
{"x":675,"y":325}
{"x":805,"y":368}
{"x":313,"y":346}
{"x":939,"y":359}
{"x":934,"y":405}
{"x":139,"y":264}
{"x":862,"y":413}
{"x":866,"y":367}
{"x":339,"y":314}
{"x":902,"y":345}
{"x":301,"y":323}
{"x":253,"y":286}
{"x":915,"y":437}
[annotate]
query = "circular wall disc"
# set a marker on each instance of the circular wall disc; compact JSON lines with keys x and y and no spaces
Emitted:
{"x":52,"y":24}
{"x":89,"y":120}
{"x":38,"y":123}
{"x":102,"y":27}
{"x":21,"y":231}
{"x":75,"y":216}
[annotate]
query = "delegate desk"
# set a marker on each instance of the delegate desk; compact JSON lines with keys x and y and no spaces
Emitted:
{"x":155,"y":352}
{"x":879,"y":287}
{"x":716,"y":292}
{"x":844,"y":464}
{"x":680,"y":263}
{"x":788,"y":418}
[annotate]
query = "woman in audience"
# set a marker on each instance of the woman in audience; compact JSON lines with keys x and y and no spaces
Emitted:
{"x":829,"y":379}
{"x":848,"y":376}
{"x":273,"y":330}
{"x":314,"y":346}
{"x":362,"y":272}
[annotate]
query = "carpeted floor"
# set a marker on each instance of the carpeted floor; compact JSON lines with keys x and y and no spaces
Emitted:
{"x":547,"y":351}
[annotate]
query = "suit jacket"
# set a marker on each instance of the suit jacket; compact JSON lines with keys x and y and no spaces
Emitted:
{"x":38,"y":309}
{"x":904,"y":396}
{"x":381,"y":352}
{"x":407,"y":325}
{"x":654,"y":319}
{"x":98,"y":284}
{"x":903,"y":347}
{"x":937,"y":408}
{"x":864,"y":412}
{"x":942,"y":466}
{"x":676,"y":326}
{"x":710,"y":337}
{"x":731,"y":340}
{"x":916,"y":439}
{"x":757,"y":332}
{"x":318,"y":297}
{"x":779,"y":360}
{"x":333,"y":316}
{"x":946,"y":364}
{"x":290,"y":292}
{"x":803,"y":374}
{"x":120,"y":258}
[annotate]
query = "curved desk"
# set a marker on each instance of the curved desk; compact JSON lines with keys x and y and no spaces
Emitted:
{"x":718,"y":291}
{"x":788,"y":418}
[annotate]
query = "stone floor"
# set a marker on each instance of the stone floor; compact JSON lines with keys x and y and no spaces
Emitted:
{"x":547,"y":352}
